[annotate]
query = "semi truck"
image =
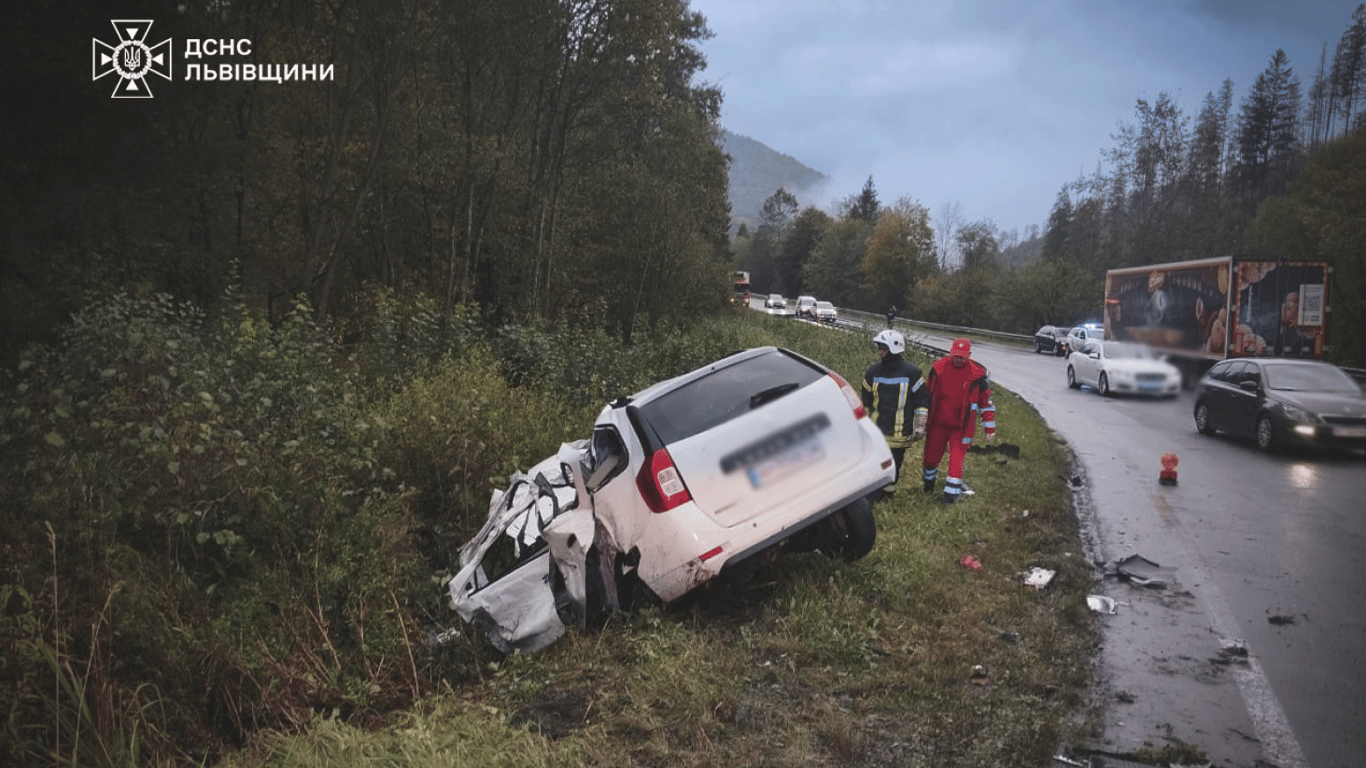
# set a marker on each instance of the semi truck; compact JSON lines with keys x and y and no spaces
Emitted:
{"x":740,"y":283}
{"x":1201,"y":311}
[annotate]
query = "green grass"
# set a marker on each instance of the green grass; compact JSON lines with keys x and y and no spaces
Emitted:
{"x":810,"y":663}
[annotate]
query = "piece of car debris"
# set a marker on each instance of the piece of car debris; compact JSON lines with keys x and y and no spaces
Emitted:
{"x":1100,"y":603}
{"x":1144,"y":572}
{"x":1038,"y":578}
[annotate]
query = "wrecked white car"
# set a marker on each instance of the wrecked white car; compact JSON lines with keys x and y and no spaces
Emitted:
{"x":696,"y":477}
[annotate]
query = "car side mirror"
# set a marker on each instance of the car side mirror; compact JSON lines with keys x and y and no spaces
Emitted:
{"x":1250,"y":386}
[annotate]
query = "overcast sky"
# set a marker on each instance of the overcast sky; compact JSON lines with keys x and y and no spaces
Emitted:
{"x":990,"y":104}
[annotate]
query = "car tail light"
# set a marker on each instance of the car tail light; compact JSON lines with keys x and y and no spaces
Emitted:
{"x":855,"y":401}
{"x":660,"y":484}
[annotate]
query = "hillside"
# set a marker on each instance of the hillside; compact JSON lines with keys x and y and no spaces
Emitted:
{"x":757,"y":171}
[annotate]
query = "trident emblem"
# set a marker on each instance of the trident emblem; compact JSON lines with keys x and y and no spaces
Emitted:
{"x":132,"y":59}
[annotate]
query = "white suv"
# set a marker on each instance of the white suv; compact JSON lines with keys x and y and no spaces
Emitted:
{"x":695,"y":477}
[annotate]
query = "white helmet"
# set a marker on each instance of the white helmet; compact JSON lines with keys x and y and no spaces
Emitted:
{"x":893,"y":340}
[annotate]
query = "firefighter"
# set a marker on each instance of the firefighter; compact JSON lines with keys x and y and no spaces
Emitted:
{"x":959,"y":389}
{"x":895,"y":397}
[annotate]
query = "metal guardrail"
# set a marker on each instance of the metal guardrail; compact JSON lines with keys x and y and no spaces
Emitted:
{"x":871,"y":319}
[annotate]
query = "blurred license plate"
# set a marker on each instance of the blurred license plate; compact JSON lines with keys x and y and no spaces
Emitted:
{"x":803,"y":454}
{"x":1349,"y":431}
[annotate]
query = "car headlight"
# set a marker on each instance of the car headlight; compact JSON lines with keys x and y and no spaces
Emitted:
{"x":1297,"y":414}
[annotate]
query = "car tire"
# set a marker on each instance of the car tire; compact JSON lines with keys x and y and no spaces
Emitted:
{"x":1104,"y":385}
{"x":1266,"y":437}
{"x":1072,"y":378}
{"x":1038,"y":347}
{"x":1203,"y":425}
{"x":851,"y":531}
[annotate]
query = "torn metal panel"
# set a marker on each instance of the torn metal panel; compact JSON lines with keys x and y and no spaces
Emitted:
{"x":535,"y":529}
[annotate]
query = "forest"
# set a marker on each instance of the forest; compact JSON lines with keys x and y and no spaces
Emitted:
{"x":1277,"y":172}
{"x":530,"y":157}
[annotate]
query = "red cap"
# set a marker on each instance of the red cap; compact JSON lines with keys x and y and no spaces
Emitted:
{"x":961,"y":348}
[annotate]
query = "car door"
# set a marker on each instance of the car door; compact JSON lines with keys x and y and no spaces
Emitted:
{"x":1086,"y":363}
{"x":1245,"y":400}
{"x":1222,"y":394}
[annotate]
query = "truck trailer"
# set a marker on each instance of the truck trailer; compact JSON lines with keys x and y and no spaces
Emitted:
{"x":1202,"y":311}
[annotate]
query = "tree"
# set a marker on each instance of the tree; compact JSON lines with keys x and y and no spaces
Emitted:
{"x":900,"y":254}
{"x":795,"y":251}
{"x":950,"y":217}
{"x":865,"y":207}
{"x":1055,"y":237}
{"x":834,"y":271}
{"x":1268,"y":132}
{"x":1349,"y":69}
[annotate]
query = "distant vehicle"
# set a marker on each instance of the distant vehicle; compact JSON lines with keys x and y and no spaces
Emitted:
{"x":704,"y":475}
{"x":1280,"y":402}
{"x":740,"y":285}
{"x":806,"y":306}
{"x":1050,"y":339}
{"x":1122,"y":367}
{"x":1076,"y":338}
{"x":1201,"y":311}
{"x":826,"y":312}
{"x":775,"y":301}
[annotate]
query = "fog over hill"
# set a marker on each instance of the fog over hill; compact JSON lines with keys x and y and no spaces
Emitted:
{"x":756,"y":172}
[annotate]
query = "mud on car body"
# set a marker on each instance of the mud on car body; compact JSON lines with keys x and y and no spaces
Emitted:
{"x":704,"y":475}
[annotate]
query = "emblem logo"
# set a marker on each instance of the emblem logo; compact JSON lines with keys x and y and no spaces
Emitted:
{"x":132,"y":59}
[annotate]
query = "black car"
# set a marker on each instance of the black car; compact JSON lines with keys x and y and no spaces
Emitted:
{"x":1282,"y":402}
{"x":1050,"y":339}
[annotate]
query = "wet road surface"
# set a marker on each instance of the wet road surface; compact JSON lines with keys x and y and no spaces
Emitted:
{"x":1256,"y":650}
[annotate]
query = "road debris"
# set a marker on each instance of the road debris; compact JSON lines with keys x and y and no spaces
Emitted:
{"x":1143,"y":572}
{"x":1100,"y":603}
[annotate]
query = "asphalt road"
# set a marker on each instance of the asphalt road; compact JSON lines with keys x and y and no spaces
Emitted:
{"x":1256,"y":649}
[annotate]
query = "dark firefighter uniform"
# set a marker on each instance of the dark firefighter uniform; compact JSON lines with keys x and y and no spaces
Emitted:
{"x":893,"y":394}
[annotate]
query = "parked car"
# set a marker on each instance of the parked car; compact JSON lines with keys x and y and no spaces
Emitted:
{"x":1282,"y":402}
{"x":806,"y":307}
{"x":826,"y":312}
{"x":708,"y":474}
{"x":1050,"y":339}
{"x":775,"y":301}
{"x":1122,"y":367}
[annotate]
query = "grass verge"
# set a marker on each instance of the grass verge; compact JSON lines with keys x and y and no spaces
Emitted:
{"x":905,"y":658}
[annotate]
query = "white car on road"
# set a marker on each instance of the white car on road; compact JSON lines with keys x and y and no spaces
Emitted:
{"x":700,"y":476}
{"x":1122,"y":367}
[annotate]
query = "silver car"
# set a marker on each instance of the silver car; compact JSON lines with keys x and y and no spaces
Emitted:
{"x":705,"y":475}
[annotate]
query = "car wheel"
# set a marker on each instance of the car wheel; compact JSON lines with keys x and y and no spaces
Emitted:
{"x":1266,"y":439}
{"x":852,"y":531}
{"x":1038,"y":347}
{"x":1104,"y":385}
{"x":1202,"y":421}
{"x":1072,"y":377}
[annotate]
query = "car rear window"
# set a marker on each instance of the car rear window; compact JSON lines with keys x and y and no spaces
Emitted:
{"x":725,"y":394}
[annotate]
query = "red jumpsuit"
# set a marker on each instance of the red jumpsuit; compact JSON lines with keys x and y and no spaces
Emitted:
{"x":956,"y":397}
